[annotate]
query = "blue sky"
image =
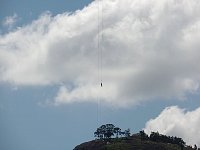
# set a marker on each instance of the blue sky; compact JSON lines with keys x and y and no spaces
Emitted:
{"x":32,"y":9}
{"x":50,"y":94}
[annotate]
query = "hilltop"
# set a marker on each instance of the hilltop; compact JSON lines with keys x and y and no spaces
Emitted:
{"x":125,"y":141}
{"x":134,"y":142}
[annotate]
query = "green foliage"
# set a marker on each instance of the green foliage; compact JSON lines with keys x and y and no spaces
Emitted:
{"x":117,"y":131}
{"x":133,"y":142}
{"x":139,"y":141}
{"x":118,"y":146}
{"x":109,"y":130}
{"x":105,"y":131}
{"x":127,"y":133}
{"x":143,"y":135}
{"x":155,"y":136}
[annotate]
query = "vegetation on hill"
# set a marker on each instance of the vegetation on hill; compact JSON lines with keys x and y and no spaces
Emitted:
{"x":107,"y":138}
{"x":105,"y":132}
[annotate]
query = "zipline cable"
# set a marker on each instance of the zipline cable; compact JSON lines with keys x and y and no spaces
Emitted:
{"x":98,"y":48}
{"x":102,"y":28}
{"x":100,"y":52}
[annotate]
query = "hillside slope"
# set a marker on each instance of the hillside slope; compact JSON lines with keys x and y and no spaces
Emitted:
{"x":133,"y":142}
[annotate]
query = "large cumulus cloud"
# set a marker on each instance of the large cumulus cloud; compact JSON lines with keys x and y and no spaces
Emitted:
{"x":150,"y":50}
{"x":175,"y":121}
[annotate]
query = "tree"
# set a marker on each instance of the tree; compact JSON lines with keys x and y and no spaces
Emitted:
{"x":154,"y":136}
{"x":117,"y":131}
{"x":143,"y":135}
{"x":109,"y":131}
{"x":105,"y":131}
{"x":127,"y":133}
{"x":99,"y":133}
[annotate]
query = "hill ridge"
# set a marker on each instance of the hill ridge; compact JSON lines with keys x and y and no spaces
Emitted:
{"x":133,"y":142}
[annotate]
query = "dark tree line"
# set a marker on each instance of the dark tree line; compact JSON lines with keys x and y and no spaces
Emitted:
{"x":156,"y":137}
{"x":109,"y":130}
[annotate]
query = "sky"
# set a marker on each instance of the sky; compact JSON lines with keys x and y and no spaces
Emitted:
{"x":50,"y":70}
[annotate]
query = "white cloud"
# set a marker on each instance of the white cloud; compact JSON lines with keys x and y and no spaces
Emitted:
{"x":174,"y":121}
{"x":150,"y":50}
{"x":10,"y":21}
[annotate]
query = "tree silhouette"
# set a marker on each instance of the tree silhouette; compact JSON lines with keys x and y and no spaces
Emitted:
{"x":122,"y":133}
{"x":106,"y":132}
{"x":143,"y":135}
{"x":99,"y":133}
{"x":109,"y":131}
{"x":127,"y":133}
{"x":155,"y":136}
{"x":117,"y":131}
